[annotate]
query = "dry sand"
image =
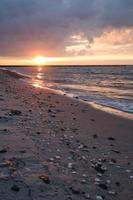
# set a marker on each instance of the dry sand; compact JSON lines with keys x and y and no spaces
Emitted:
{"x":56,"y":148}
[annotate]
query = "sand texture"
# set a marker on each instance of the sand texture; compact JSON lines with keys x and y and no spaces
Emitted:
{"x":56,"y":148}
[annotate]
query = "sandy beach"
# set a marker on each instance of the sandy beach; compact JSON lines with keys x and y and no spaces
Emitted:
{"x":56,"y":148}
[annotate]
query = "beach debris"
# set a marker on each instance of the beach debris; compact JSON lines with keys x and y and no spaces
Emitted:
{"x":45,"y":179}
{"x":15,"y":188}
{"x":15,"y":112}
{"x":112,"y":161}
{"x":99,"y":168}
{"x":4,"y":164}
{"x":116,"y":151}
{"x":3,"y":150}
{"x":111,"y":138}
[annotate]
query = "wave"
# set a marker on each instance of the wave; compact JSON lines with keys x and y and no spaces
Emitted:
{"x":14,"y":73}
{"x":79,"y":92}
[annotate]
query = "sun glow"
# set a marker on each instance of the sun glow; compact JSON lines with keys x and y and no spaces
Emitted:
{"x":40,"y":60}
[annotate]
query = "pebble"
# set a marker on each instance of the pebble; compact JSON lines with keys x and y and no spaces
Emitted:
{"x":87,"y":196}
{"x":97,"y":180}
{"x":83,"y":181}
{"x":15,"y":188}
{"x":128,"y":171}
{"x":108,"y":181}
{"x":111,"y":192}
{"x":71,"y":166}
{"x":58,"y":157}
{"x":75,"y":190}
{"x":103,"y":186}
{"x":111,"y":138}
{"x":15,"y":112}
{"x":45,"y":179}
{"x":99,"y":197}
{"x":3,"y":151}
{"x":84,"y":175}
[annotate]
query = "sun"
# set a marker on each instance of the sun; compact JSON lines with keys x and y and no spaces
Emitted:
{"x":40,"y":60}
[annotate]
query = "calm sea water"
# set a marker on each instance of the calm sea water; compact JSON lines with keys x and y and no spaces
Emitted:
{"x":110,"y":87}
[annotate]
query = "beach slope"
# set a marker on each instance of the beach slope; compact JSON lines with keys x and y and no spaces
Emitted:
{"x":54,"y":147}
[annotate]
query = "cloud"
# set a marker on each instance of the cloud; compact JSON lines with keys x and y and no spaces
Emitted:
{"x":28,"y":27}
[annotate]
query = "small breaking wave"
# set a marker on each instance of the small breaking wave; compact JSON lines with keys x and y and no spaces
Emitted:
{"x":14,"y":73}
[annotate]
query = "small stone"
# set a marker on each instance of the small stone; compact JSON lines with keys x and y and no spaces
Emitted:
{"x":3,"y":150}
{"x":99,"y":197}
{"x":111,"y":138}
{"x":103,"y":186}
{"x":97,"y":180}
{"x":51,"y":159}
{"x":71,"y":166}
{"x":15,"y":188}
{"x":87,"y":196}
{"x":75,"y":190}
{"x":112,"y":192}
{"x":84,"y":175}
{"x":99,"y":168}
{"x":83,"y":181}
{"x":108,"y":181}
{"x":117,"y":184}
{"x":45,"y":179}
{"x":95,"y":136}
{"x":15,"y":112}
{"x":99,"y":174}
{"x":128,"y":171}
{"x":58,"y":157}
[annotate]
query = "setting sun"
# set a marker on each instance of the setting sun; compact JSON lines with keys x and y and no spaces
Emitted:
{"x":40,"y":60}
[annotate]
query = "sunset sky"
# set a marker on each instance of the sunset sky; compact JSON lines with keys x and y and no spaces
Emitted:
{"x":66,"y":31}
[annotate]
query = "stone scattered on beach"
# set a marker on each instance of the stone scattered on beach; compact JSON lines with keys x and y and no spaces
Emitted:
{"x":45,"y":179}
{"x":103,"y":186}
{"x":95,"y":136}
{"x":3,"y":150}
{"x":112,"y":192}
{"x":71,"y":166}
{"x":15,"y":188}
{"x":15,"y":112}
{"x":111,"y":138}
{"x":99,"y":168}
{"x":99,"y":197}
{"x":75,"y":190}
{"x":87,"y":196}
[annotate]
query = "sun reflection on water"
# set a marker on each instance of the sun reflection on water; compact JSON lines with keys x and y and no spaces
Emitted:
{"x":37,"y":81}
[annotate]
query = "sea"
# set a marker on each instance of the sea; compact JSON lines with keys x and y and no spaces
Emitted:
{"x":109,"y":88}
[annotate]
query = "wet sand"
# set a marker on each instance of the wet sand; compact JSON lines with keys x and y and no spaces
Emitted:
{"x":56,"y":148}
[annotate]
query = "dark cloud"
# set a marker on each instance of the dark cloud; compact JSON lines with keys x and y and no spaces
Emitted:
{"x":46,"y":25}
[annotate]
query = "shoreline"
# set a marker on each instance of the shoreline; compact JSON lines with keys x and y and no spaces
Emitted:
{"x":107,"y":109}
{"x":55,"y":147}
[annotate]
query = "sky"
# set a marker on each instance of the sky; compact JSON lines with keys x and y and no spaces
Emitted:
{"x":66,"y":31}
